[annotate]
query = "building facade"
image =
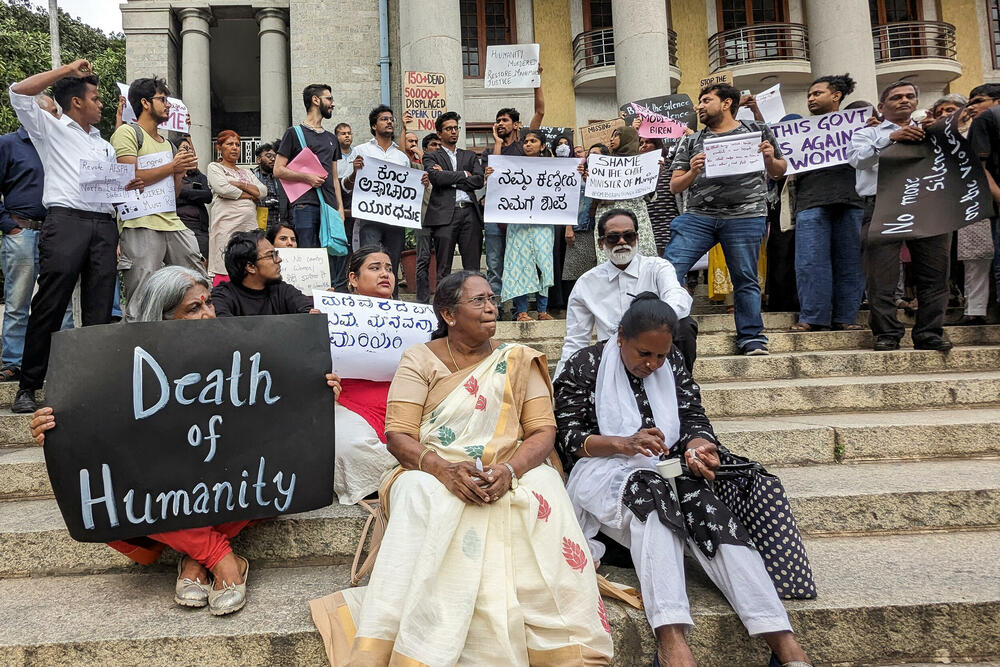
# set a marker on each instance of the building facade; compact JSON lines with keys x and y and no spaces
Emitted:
{"x":241,"y":64}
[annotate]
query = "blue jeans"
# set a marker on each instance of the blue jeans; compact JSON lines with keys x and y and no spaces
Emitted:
{"x":828,"y":264}
{"x":694,"y":234}
{"x":496,"y":243}
{"x":19,"y":261}
{"x":521,"y":303}
{"x":305,"y":220}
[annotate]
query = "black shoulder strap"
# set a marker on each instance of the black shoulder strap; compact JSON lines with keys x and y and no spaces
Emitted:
{"x":138,"y":140}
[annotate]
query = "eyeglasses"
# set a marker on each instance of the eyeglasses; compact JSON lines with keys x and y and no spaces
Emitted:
{"x":163,"y":100}
{"x":270,"y":254}
{"x":480,"y":301}
{"x":387,"y":119}
{"x":614,"y":238}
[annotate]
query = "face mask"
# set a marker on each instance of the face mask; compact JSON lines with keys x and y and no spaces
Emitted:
{"x":562,"y":151}
{"x":623,"y":255}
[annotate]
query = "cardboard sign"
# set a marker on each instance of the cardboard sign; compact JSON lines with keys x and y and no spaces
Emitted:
{"x":532,"y":190}
{"x":719,"y":77}
{"x":177,"y":122}
{"x":656,"y":126}
{"x":156,"y":434}
{"x":619,"y":177}
{"x":368,"y":335}
{"x":599,"y":132}
{"x":104,"y":182}
{"x":307,"y":269}
{"x":156,"y":198}
{"x":733,"y":155}
{"x":424,"y":98}
{"x":389,"y":193}
{"x":678,"y":107}
{"x":512,"y":66}
{"x":818,"y":141}
{"x":929,"y":188}
{"x":306,"y":162}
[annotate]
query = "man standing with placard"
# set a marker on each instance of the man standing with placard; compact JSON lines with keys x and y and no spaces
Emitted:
{"x":79,"y":238}
{"x":730,"y":210}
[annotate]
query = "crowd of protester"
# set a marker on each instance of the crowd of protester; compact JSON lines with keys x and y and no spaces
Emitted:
{"x":473,"y":473}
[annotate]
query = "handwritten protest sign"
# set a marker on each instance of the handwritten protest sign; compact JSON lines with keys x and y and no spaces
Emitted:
{"x":156,"y":198}
{"x":532,"y":190}
{"x":177,"y":122}
{"x":929,"y":188}
{"x":389,"y":193}
{"x":733,"y":154}
{"x":156,"y":434}
{"x":512,"y":66}
{"x":719,"y":77}
{"x":424,"y":98}
{"x":306,"y":162}
{"x":678,"y":107}
{"x":307,"y":269}
{"x":600,"y":132}
{"x":620,"y":177}
{"x":769,"y":103}
{"x":104,"y":182}
{"x":656,"y":126}
{"x":368,"y":335}
{"x":818,"y":141}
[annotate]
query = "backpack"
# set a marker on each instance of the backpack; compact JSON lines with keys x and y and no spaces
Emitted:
{"x":138,"y":140}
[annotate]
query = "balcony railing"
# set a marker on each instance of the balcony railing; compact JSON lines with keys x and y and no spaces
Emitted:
{"x":913,"y":39}
{"x":596,"y":48}
{"x":758,"y":43}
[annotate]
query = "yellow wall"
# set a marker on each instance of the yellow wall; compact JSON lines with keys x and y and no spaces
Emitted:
{"x":552,"y":34}
{"x":689,"y":21}
{"x":963,"y":15}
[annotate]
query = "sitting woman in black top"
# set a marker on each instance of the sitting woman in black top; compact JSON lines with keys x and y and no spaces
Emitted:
{"x":255,"y":286}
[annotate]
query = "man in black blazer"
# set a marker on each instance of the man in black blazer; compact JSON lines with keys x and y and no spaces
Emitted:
{"x":453,"y":215}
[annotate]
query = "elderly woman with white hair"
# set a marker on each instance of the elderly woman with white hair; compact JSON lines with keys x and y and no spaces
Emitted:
{"x":209,"y":573}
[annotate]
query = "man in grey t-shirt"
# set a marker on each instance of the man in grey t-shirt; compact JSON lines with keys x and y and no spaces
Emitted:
{"x":730,"y":210}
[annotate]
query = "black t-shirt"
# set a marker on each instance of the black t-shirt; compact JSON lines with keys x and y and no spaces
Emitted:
{"x":232,"y":300}
{"x":515,"y":149}
{"x":326,"y":147}
{"x":984,"y":135}
{"x":824,"y":187}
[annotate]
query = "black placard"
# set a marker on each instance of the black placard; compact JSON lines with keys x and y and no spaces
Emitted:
{"x":223,"y":450}
{"x":929,"y":188}
{"x":552,"y":133}
{"x":678,"y":107}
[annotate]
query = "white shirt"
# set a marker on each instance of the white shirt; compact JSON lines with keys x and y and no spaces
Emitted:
{"x":602,"y":295}
{"x":371,"y":149}
{"x":345,"y":165}
{"x":862,"y":153}
{"x":460,"y":195}
{"x":61,"y":144}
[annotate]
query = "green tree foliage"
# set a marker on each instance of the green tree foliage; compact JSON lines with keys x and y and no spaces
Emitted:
{"x":24,"y":50}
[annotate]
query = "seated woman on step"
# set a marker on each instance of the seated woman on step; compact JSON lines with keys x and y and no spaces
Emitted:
{"x":482,"y":561}
{"x":620,"y":405}
{"x":208,"y":573}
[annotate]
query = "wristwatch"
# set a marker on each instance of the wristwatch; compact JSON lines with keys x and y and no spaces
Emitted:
{"x":513,"y":477}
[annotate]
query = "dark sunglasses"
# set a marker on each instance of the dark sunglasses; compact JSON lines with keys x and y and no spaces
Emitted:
{"x":614,"y":238}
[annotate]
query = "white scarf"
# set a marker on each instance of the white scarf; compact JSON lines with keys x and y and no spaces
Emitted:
{"x":617,"y":410}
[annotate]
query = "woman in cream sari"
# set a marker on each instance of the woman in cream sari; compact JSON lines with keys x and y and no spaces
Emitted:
{"x":483,"y":561}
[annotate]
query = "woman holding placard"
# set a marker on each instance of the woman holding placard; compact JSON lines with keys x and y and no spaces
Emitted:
{"x":235,"y":193}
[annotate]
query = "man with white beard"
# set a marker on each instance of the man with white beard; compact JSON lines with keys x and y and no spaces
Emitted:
{"x":604,"y":293}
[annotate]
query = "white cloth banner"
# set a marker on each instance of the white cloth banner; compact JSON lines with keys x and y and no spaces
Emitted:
{"x":156,"y":198}
{"x":307,"y":269}
{"x":532,"y":190}
{"x":389,"y":193}
{"x":368,"y":334}
{"x":818,"y":141}
{"x":732,"y":155}
{"x":512,"y":66}
{"x":104,"y":182}
{"x":619,"y":177}
{"x":177,"y":122}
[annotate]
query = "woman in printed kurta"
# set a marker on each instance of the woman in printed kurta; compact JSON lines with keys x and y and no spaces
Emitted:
{"x":482,"y":561}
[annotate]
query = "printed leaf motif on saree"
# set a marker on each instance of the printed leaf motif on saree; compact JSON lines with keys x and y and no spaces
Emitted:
{"x":544,"y":509}
{"x":446,"y":436}
{"x":475,"y":451}
{"x":472,"y":385}
{"x":501,"y":367}
{"x":603,"y":613}
{"x":481,"y":402}
{"x":574,"y":555}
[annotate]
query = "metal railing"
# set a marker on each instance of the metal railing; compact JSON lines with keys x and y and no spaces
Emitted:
{"x":758,"y":43}
{"x":913,"y":39}
{"x":596,"y":48}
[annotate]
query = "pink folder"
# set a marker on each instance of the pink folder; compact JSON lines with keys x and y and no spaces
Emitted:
{"x":306,"y":162}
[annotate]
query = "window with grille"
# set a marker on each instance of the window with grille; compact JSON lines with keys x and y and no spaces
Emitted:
{"x":893,"y":11}
{"x":484,"y":23}
{"x":743,"y":13}
{"x":596,"y":14}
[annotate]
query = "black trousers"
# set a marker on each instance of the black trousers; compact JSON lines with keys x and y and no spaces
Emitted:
{"x":686,"y":340}
{"x":430,"y":241}
{"x":73,"y":244}
{"x":467,"y":233}
{"x":929,"y":268}
{"x":389,"y":237}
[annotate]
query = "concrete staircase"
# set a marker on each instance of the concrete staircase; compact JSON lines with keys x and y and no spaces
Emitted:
{"x":891,"y":460}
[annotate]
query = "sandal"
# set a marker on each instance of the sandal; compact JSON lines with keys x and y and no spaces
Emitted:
{"x":851,"y":326}
{"x":545,"y":317}
{"x":805,"y":326}
{"x":524,"y":317}
{"x":10,"y":373}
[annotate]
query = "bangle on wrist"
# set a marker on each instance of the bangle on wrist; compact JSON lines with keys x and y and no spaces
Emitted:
{"x":585,"y":445}
{"x":420,"y":460}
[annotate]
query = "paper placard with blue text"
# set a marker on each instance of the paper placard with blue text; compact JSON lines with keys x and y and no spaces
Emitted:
{"x":818,"y":141}
{"x":306,"y":269}
{"x":389,"y":193}
{"x":156,"y":434}
{"x":532,"y":190}
{"x":368,"y":335}
{"x":512,"y":66}
{"x":104,"y":182}
{"x":622,"y":177}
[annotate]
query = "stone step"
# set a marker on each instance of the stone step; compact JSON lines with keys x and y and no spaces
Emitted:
{"x":22,"y":473}
{"x":939,"y":594}
{"x":842,"y":394}
{"x":831,"y":498}
{"x":15,"y":429}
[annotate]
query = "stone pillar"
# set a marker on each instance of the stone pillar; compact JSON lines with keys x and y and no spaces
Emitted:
{"x":642,"y":58}
{"x":840,"y":41}
{"x":274,"y":109}
{"x":196,"y":81}
{"x":430,"y":41}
